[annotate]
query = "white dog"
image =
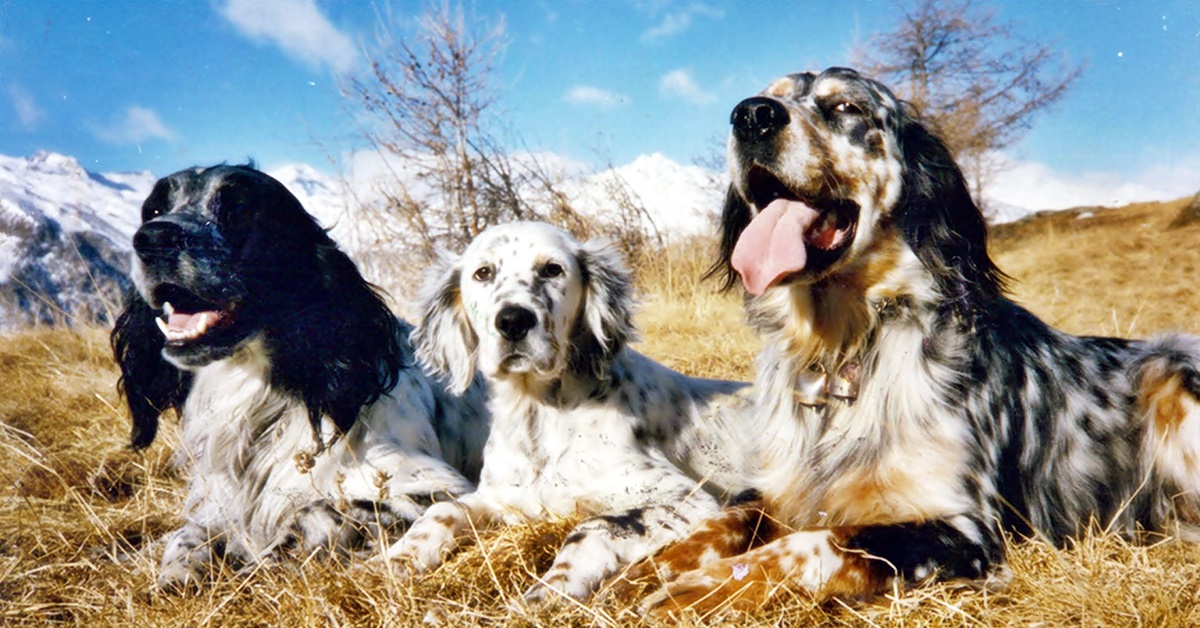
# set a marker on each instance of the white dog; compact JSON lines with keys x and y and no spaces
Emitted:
{"x":581,"y":424}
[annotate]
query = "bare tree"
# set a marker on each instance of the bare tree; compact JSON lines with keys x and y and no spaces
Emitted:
{"x":973,"y":75}
{"x":431,"y":98}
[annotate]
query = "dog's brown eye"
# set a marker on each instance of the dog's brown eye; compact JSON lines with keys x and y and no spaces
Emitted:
{"x":551,"y":270}
{"x":483,"y":273}
{"x":848,"y":107}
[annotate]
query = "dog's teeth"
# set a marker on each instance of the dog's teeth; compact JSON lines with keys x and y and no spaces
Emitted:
{"x":162,"y":326}
{"x":202,"y":326}
{"x":168,"y":309}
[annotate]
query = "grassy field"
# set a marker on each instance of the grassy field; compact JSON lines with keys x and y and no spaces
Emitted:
{"x":78,"y":511}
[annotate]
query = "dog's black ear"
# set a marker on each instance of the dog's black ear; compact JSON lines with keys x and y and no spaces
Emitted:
{"x":149,"y":383}
{"x":444,"y":340}
{"x":336,"y":343}
{"x":941,"y":222}
{"x":332,"y":340}
{"x":605,"y":324}
{"x":735,"y":216}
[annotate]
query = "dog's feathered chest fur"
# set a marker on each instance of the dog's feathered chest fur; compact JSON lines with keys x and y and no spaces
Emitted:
{"x":548,"y":450}
{"x":253,"y":459}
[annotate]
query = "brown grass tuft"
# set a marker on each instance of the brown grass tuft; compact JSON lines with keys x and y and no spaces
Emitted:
{"x":79,"y":511}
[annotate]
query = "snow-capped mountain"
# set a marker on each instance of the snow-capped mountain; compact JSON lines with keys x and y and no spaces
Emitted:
{"x":680,"y":199}
{"x":64,"y":235}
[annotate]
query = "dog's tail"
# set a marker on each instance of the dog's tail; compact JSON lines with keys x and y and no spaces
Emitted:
{"x":1168,"y":392}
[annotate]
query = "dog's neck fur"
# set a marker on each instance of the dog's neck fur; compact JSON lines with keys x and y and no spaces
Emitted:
{"x":864,"y":316}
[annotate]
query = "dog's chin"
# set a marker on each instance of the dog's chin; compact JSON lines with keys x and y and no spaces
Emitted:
{"x":523,"y":365}
{"x":200,"y":352}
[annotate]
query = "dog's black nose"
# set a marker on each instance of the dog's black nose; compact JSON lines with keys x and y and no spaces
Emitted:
{"x":514,"y":321}
{"x":757,"y":118}
{"x":157,"y":237}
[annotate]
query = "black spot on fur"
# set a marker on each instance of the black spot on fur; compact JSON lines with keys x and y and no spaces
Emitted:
{"x":627,"y":523}
{"x":920,"y":549}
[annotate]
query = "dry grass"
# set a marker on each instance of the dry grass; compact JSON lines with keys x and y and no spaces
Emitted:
{"x":78,"y":511}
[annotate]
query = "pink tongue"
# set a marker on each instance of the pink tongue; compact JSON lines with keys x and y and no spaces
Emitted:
{"x":180,"y":321}
{"x":772,"y":245}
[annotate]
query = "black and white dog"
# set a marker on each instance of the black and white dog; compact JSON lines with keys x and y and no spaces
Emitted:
{"x":912,"y":413}
{"x":581,"y":423}
{"x":305,"y":424}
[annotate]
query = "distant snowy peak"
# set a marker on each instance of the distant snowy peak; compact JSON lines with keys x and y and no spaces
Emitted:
{"x":64,"y":238}
{"x":52,"y":187}
{"x":53,"y":163}
{"x":305,"y":180}
{"x":680,"y":199}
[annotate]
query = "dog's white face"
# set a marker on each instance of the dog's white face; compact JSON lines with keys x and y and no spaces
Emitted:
{"x":525,"y":300}
{"x":522,"y":287}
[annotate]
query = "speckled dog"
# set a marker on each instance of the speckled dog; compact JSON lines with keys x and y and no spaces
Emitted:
{"x":912,"y":412}
{"x":581,"y":424}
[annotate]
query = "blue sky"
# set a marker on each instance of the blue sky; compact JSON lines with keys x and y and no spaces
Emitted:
{"x":141,"y":85}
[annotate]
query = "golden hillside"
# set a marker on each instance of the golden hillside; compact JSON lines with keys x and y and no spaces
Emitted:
{"x":79,"y":510}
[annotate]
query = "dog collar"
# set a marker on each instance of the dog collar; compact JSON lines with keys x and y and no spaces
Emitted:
{"x":817,"y":385}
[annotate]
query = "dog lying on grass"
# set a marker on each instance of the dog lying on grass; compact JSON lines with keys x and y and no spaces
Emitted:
{"x":581,"y":423}
{"x":306,"y":425}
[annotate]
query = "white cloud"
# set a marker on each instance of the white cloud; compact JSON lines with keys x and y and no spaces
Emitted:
{"x":595,"y":97}
{"x":297,"y":26}
{"x":137,"y":124}
{"x":27,"y":112}
{"x":680,"y":84}
{"x":1035,"y":186}
{"x":676,"y":22}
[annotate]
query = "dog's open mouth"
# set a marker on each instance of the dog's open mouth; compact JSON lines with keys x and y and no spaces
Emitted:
{"x":792,"y":236}
{"x":187,"y":318}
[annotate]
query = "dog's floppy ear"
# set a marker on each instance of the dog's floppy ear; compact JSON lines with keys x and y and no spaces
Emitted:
{"x":340,"y":347}
{"x":333,"y":340}
{"x":941,"y":222}
{"x":735,"y":215}
{"x":606,"y":321}
{"x":444,"y":339}
{"x":149,"y":383}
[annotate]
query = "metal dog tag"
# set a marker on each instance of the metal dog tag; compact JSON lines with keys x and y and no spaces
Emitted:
{"x":810,"y":388}
{"x":845,"y":385}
